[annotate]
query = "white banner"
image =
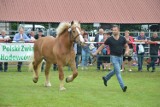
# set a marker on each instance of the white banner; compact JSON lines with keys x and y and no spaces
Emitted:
{"x":10,"y":52}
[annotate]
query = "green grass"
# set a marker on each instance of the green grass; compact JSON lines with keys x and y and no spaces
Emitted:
{"x":87,"y":90}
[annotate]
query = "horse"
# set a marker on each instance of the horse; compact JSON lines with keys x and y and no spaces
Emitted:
{"x":58,"y":51}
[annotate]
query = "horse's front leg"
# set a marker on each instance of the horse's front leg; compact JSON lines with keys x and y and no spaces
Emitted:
{"x":75,"y":73}
{"x":47,"y":68}
{"x":61,"y":77}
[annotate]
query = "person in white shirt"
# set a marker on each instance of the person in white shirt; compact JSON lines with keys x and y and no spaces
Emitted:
{"x":98,"y":38}
{"x":4,"y":38}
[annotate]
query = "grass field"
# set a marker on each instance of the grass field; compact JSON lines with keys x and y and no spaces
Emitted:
{"x":87,"y":90}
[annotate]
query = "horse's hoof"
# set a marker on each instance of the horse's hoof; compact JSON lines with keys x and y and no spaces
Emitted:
{"x":62,"y":89}
{"x":67,"y":80}
{"x":35,"y":80}
{"x":48,"y":84}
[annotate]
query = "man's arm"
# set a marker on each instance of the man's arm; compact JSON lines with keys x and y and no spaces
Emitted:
{"x":140,"y":40}
{"x":153,"y":42}
{"x":136,"y":40}
{"x":26,"y":38}
{"x":99,"y":49}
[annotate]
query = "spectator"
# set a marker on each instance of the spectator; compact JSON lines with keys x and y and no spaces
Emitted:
{"x":21,"y":36}
{"x":98,"y":38}
{"x":92,"y":49}
{"x":134,"y":57}
{"x":31,"y":35}
{"x":153,"y":51}
{"x":105,"y":52}
{"x":78,"y":54}
{"x":129,"y":40}
{"x":4,"y":38}
{"x":158,"y":56}
{"x":40,"y":34}
{"x":116,"y":44}
{"x":140,"y":54}
{"x":85,"y":52}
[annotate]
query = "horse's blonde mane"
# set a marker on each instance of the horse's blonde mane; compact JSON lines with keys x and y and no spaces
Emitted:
{"x":62,"y":26}
{"x":76,"y":23}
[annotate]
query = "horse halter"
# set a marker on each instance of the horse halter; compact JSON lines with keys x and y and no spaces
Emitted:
{"x":71,"y":35}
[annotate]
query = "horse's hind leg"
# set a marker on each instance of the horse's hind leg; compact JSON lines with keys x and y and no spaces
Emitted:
{"x":47,"y":83}
{"x":75,"y":73}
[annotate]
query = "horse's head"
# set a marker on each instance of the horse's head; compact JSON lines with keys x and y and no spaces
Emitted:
{"x":75,"y":32}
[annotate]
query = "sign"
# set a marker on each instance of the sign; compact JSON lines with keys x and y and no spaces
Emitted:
{"x":10,"y":52}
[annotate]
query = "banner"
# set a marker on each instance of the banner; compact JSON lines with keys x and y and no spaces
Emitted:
{"x":10,"y":52}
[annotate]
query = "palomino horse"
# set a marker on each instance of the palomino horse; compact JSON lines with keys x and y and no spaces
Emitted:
{"x":58,"y":51}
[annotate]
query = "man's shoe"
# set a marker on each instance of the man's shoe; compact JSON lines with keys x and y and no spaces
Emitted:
{"x":124,"y":89}
{"x":104,"y":81}
{"x":19,"y":70}
{"x":148,"y":67}
{"x":153,"y":70}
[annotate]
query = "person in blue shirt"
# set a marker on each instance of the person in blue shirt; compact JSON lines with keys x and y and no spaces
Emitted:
{"x":20,"y":37}
{"x":140,"y":38}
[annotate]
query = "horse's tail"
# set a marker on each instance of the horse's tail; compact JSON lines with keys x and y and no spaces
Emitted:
{"x":31,"y":68}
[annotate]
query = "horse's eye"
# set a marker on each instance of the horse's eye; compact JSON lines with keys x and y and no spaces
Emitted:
{"x":74,"y":31}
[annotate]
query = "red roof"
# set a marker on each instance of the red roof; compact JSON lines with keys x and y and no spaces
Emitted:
{"x":86,"y":11}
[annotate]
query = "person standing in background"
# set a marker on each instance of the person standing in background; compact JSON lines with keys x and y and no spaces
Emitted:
{"x":105,"y":58}
{"x":153,"y":51}
{"x":20,"y":37}
{"x":132,"y":49}
{"x":3,"y":39}
{"x":98,"y":38}
{"x":31,"y":35}
{"x":140,"y":38}
{"x":85,"y":52}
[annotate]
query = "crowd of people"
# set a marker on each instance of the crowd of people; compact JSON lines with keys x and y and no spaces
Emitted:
{"x":84,"y":53}
{"x":136,"y":51}
{"x":18,"y":37}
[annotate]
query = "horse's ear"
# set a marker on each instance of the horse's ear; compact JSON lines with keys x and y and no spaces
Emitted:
{"x":72,"y":23}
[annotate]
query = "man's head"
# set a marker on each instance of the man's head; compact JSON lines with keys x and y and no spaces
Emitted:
{"x":85,"y":35}
{"x":106,"y":35}
{"x":82,"y":31}
{"x":3,"y":32}
{"x":127,"y":33}
{"x":21,"y":30}
{"x":101,"y":31}
{"x":40,"y":32}
{"x":115,"y":30}
{"x":142,"y":33}
{"x":155,"y":34}
{"x":32,"y":33}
